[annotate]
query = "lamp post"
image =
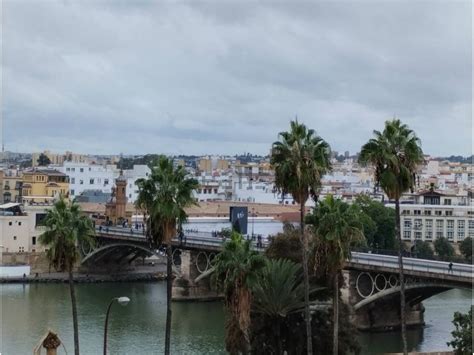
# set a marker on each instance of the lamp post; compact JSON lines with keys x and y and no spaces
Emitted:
{"x":253,"y":220}
{"x":123,"y":301}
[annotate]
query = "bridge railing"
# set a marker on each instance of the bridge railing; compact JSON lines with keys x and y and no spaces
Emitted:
{"x":439,"y":267}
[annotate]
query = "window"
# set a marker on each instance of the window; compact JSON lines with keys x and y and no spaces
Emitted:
{"x":471,"y":228}
{"x":33,"y":240}
{"x":407,"y":223}
{"x":81,"y":182}
{"x":215,"y":191}
{"x":81,"y":170}
{"x":448,"y":213}
{"x":72,"y":192}
{"x":417,"y":212}
{"x":439,"y":228}
{"x":450,"y":229}
{"x":461,"y":229}
{"x":14,"y":237}
{"x":129,"y":195}
{"x":438,"y":213}
{"x":73,"y":180}
{"x":19,"y":223}
{"x":89,"y":169}
{"x":10,"y":223}
{"x":417,"y":235}
{"x":405,"y":212}
{"x":447,"y":201}
{"x":429,"y":234}
{"x":417,"y":224}
{"x":407,"y":234}
{"x":91,"y":181}
{"x":427,"y":212}
{"x":73,"y":169}
{"x":21,"y":249}
{"x":68,"y":169}
{"x":106,"y":181}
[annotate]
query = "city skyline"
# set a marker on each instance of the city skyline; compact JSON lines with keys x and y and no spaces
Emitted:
{"x":227,"y":78}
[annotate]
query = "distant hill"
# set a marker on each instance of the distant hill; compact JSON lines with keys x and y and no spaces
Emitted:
{"x":458,"y":159}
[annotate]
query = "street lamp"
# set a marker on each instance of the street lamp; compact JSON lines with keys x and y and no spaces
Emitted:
{"x":123,"y":301}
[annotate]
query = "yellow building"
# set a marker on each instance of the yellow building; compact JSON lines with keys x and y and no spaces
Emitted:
{"x":208,"y":165}
{"x":10,"y":186}
{"x":44,"y":185}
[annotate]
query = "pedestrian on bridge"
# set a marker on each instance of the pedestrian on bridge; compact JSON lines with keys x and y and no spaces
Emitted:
{"x":450,"y":268}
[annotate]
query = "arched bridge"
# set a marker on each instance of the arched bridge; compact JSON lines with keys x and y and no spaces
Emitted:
{"x":372,"y":279}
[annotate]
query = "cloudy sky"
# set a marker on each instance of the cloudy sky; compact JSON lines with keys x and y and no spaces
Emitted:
{"x":225,"y":77}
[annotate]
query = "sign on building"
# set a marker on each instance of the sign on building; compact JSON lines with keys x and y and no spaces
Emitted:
{"x":239,"y":219}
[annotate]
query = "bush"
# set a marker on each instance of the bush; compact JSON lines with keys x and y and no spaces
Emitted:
{"x":443,"y":248}
{"x":466,"y":247}
{"x":462,"y":334}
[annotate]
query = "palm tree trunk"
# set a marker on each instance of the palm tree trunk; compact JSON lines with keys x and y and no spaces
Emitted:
{"x":169,"y":285}
{"x":74,"y":312}
{"x":402,"y":279}
{"x":335,"y":305}
{"x":304,"y":242}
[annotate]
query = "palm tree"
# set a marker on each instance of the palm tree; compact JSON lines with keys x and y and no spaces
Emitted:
{"x":278,"y":294}
{"x":336,"y":228}
{"x":300,"y":159}
{"x":163,"y":198}
{"x":395,"y":154}
{"x":236,"y":270}
{"x":66,"y":228}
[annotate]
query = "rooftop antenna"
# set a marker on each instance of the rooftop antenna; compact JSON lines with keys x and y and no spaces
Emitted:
{"x":2,"y":124}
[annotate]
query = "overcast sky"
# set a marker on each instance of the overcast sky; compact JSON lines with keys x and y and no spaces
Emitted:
{"x":225,"y":77}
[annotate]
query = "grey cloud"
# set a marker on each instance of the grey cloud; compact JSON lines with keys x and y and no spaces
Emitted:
{"x":226,"y":77}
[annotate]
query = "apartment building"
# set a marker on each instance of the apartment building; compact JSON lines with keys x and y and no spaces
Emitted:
{"x":59,"y":159}
{"x":43,"y":185}
{"x":10,"y":185}
{"x":20,"y":228}
{"x":83,"y":176}
{"x":433,"y":215}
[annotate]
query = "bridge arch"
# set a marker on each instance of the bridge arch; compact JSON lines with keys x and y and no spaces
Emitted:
{"x":415,"y":293}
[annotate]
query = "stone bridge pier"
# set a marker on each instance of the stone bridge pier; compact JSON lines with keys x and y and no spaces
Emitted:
{"x":374,"y":299}
{"x":192,"y":281}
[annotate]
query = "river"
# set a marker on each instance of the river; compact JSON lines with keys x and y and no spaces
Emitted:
{"x":27,"y":311}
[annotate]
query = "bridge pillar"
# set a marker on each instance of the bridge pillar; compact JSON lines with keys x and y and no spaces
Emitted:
{"x":384,"y":312}
{"x":189,"y":265}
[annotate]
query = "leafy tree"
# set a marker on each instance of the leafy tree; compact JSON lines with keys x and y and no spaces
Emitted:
{"x":43,"y":160}
{"x":66,"y":228}
{"x":163,"y":196}
{"x":462,"y":334}
{"x":236,"y":271}
{"x":466,"y":247}
{"x":286,"y":245}
{"x":279,"y":293}
{"x":384,"y":219}
{"x":423,"y":250}
{"x":395,"y":154}
{"x":299,"y":160}
{"x":443,"y":248}
{"x":336,"y":228}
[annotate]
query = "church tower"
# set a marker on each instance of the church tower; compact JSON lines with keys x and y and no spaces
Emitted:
{"x":115,"y":209}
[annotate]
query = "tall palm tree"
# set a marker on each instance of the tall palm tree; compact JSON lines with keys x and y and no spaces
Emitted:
{"x":236,"y":270}
{"x":395,"y":154}
{"x":279,"y":293}
{"x":336,"y":228}
{"x":66,"y":229}
{"x":300,"y":159}
{"x":163,"y":196}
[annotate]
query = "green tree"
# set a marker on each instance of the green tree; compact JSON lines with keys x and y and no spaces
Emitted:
{"x":466,"y":247}
{"x":43,"y":160}
{"x":336,"y":228}
{"x":423,"y":250}
{"x":396,"y":155}
{"x":286,"y":245}
{"x":443,"y":248}
{"x":163,"y":197}
{"x":66,"y":228}
{"x":299,"y":160}
{"x":462,"y":334}
{"x":384,"y":219}
{"x":236,"y":270}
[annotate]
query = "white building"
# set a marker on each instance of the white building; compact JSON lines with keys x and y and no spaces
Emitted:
{"x":433,"y":215}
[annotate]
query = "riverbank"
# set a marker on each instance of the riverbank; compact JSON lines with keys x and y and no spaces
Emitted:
{"x":143,"y":273}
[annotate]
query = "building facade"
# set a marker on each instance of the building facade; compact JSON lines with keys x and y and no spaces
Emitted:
{"x":44,"y":185}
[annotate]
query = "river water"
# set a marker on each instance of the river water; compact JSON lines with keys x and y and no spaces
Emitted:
{"x":27,"y":311}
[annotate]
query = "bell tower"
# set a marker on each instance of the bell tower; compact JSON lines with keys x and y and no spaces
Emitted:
{"x":121,"y":196}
